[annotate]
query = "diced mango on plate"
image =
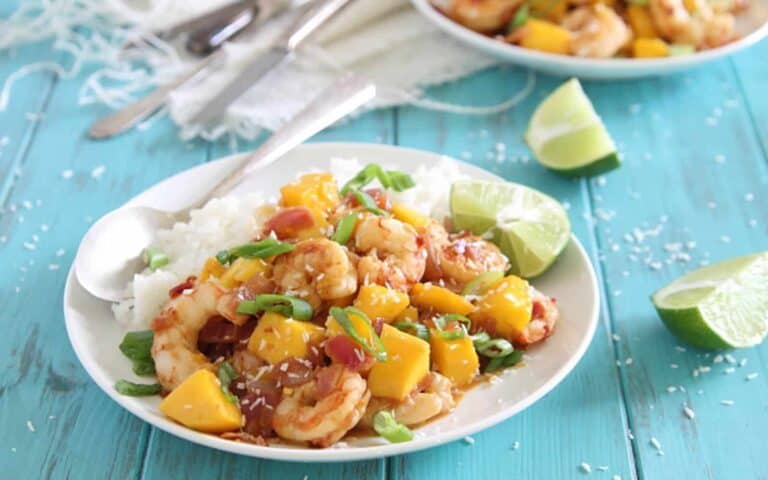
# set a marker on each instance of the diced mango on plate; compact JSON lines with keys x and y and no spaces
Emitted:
{"x":507,"y":305}
{"x":316,"y":191}
{"x":211,"y":268}
{"x":200,"y":404}
{"x":277,"y":337}
{"x":649,"y":48}
{"x":362,"y":326}
{"x":242,"y":269}
{"x":456,"y":359}
{"x":545,"y":36}
{"x":381,"y":302}
{"x":639,"y":17}
{"x":410,"y":314}
{"x":406,"y":365}
{"x":440,"y":299}
{"x":410,"y":216}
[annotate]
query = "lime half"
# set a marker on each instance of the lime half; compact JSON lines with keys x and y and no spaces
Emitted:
{"x":529,"y":227}
{"x":567,"y":136}
{"x":724,"y":305}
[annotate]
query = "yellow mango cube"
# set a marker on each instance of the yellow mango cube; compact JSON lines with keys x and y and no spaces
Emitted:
{"x":316,"y":191}
{"x":545,"y":36}
{"x":410,"y":216}
{"x":362,"y":326}
{"x":649,"y":48}
{"x":211,"y":268}
{"x":456,"y":359}
{"x":242,"y":269}
{"x":410,"y":314}
{"x":381,"y":302}
{"x":507,"y":305}
{"x":639,"y":18}
{"x":277,"y":337}
{"x":199,"y":403}
{"x":551,"y":10}
{"x":440,"y":299}
{"x":406,"y":365}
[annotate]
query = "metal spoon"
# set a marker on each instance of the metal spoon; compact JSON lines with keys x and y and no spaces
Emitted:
{"x":110,"y":253}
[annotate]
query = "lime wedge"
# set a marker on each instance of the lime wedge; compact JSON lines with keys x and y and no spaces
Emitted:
{"x":529,"y":227}
{"x":567,"y":136}
{"x":724,"y":305}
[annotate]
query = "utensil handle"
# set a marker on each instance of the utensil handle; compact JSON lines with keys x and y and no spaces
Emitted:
{"x":209,"y":38}
{"x":311,"y":21}
{"x":332,"y":104}
{"x":132,"y":113}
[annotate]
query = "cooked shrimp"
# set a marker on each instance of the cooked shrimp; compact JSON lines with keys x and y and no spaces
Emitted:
{"x":544,"y":317}
{"x":597,"y":31}
{"x":318,"y":269}
{"x":174,"y":347}
{"x":483,"y":15}
{"x":457,"y":259}
{"x":325,"y":409}
{"x":703,"y":28}
{"x":434,"y":399}
{"x":392,"y":253}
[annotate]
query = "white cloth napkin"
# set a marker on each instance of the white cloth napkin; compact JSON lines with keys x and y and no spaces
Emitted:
{"x":384,"y":40}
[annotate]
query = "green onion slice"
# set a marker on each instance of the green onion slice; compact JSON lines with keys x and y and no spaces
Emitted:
{"x":482,"y":283}
{"x":443,"y":320}
{"x":368,"y":203}
{"x":292,"y":307}
{"x":124,"y":387}
{"x":137,"y":347}
{"x":155,"y":258}
{"x":418,"y":329}
{"x":226,"y":373}
{"x":498,"y":347}
{"x":342,"y":316}
{"x":344,"y":228}
{"x":521,"y":16}
{"x":389,"y":179}
{"x":269,"y":247}
{"x":498,"y":363}
{"x":480,"y":338}
{"x":385,"y":425}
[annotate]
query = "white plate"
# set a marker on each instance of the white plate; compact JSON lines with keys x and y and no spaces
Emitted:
{"x":752,"y":25}
{"x":95,"y":335}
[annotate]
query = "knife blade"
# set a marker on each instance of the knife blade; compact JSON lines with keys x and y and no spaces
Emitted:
{"x":282,"y":51}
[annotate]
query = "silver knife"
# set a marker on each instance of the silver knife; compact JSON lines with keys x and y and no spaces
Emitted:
{"x":281,"y":51}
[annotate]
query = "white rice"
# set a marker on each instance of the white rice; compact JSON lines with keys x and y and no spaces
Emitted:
{"x":231,"y":221}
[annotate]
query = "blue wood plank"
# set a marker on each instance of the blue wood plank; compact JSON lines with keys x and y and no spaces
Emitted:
{"x":689,"y":192}
{"x":751,"y":74}
{"x":169,"y":457}
{"x":55,"y":422}
{"x":583,"y":419}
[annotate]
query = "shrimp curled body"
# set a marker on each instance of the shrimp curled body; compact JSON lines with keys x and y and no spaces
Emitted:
{"x":705,"y":28}
{"x":542,"y":324}
{"x":306,"y":415}
{"x":434,"y":399}
{"x":174,"y":347}
{"x":597,"y":31}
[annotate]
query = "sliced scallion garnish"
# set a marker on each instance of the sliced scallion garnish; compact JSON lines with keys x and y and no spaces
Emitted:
{"x":521,"y":16}
{"x":385,"y":425}
{"x":155,"y":258}
{"x":291,"y":307}
{"x":344,"y":228}
{"x":269,"y":247}
{"x":443,"y":320}
{"x":481,"y":283}
{"x":226,"y":373}
{"x":498,"y":363}
{"x":498,"y":347}
{"x":124,"y":387}
{"x":390,"y":179}
{"x":368,"y":203}
{"x":137,"y":347}
{"x":342,"y":317}
{"x":417,"y":329}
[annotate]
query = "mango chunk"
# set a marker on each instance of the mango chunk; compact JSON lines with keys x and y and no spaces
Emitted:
{"x":316,"y":191}
{"x":277,"y":337}
{"x":381,"y":302}
{"x":406,"y":365}
{"x":456,"y":359}
{"x":242,"y":269}
{"x":545,"y":36}
{"x":211,"y":268}
{"x":426,"y":295}
{"x":553,"y":11}
{"x":410,"y":216}
{"x":649,"y":48}
{"x":410,"y":314}
{"x":361,"y":326}
{"x":507,"y":305}
{"x":639,"y":18}
{"x":199,"y":403}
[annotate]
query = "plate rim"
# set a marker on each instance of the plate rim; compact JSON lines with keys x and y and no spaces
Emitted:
{"x":631,"y":67}
{"x":332,"y":455}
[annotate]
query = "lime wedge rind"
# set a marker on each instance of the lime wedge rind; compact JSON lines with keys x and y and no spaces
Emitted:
{"x":724,"y":305}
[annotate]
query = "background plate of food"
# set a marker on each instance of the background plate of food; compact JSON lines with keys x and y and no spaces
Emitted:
{"x":213,"y":378}
{"x":609,"y":39}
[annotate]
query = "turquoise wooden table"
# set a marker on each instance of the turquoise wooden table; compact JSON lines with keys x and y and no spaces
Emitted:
{"x":693,"y":189}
